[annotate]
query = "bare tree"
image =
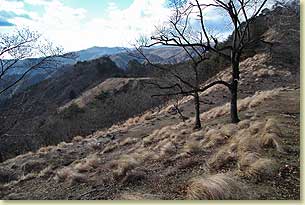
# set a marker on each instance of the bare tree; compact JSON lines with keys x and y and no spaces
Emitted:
{"x":22,"y":52}
{"x":240,"y":15}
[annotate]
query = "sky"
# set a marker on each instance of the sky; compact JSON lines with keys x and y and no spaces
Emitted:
{"x":80,"y":24}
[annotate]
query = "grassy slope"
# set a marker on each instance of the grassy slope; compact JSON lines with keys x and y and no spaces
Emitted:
{"x":151,"y":156}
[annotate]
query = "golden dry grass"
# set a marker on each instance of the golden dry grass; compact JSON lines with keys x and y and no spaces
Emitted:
{"x":262,"y":168}
{"x":215,"y":187}
{"x":87,"y":164}
{"x":224,"y":156}
{"x":125,"y":164}
{"x":213,"y":137}
{"x":67,"y":174}
{"x":77,"y":139}
{"x":127,"y":141}
{"x":44,"y":150}
{"x":192,"y":147}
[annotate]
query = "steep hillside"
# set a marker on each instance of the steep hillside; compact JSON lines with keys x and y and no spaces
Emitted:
{"x":23,"y":115}
{"x":158,"y":153}
{"x":155,"y":154}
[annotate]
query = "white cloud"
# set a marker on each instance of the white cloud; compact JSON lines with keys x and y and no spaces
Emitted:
{"x":74,"y":30}
{"x":14,"y":6}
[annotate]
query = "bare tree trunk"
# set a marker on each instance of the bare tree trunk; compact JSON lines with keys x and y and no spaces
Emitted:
{"x":234,"y":91}
{"x":197,"y":111}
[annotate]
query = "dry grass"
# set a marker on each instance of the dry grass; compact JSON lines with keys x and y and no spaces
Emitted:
{"x":87,"y":164}
{"x":247,"y":159}
{"x":262,"y":168}
{"x":128,"y":141}
{"x":244,"y":124}
{"x":125,"y":164}
{"x":198,"y":135}
{"x":272,"y":140}
{"x":138,"y":196}
{"x":192,"y":147}
{"x":64,"y":145}
{"x":256,"y":126}
{"x":46,"y":172}
{"x":213,"y":137}
{"x":215,"y":187}
{"x":243,"y":104}
{"x":110,"y":148}
{"x":77,"y":139}
{"x":70,"y":175}
{"x":224,"y":156}
{"x":44,"y":150}
{"x":167,"y":149}
{"x":272,"y":127}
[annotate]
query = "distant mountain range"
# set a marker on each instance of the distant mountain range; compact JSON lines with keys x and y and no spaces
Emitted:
{"x":119,"y":55}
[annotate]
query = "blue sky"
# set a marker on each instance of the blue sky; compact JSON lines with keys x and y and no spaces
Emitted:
{"x":80,"y":24}
{"x":97,"y":8}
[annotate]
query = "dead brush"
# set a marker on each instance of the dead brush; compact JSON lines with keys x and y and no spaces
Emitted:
{"x":147,"y":116}
{"x":128,"y":141}
{"x":260,"y":97}
{"x":139,"y":196}
{"x":192,"y":147}
{"x":87,"y":164}
{"x":215,"y":187}
{"x":224,"y":156}
{"x":44,"y":150}
{"x":110,"y":148}
{"x":270,"y":135}
{"x":126,"y":163}
{"x":213,"y":138}
{"x":244,"y":124}
{"x":248,"y":143}
{"x":70,"y":175}
{"x":77,"y":139}
{"x":229,"y":129}
{"x":167,"y":149}
{"x":256,"y":127}
{"x":46,"y":172}
{"x":272,"y":140}
{"x":272,"y":126}
{"x":243,"y":104}
{"x":245,"y":160}
{"x":262,"y":168}
{"x":197,"y":135}
{"x":160,"y":135}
